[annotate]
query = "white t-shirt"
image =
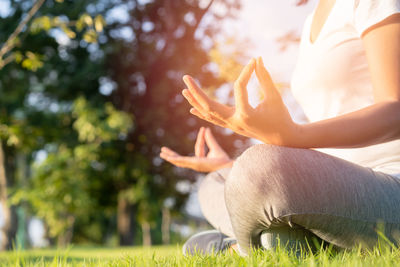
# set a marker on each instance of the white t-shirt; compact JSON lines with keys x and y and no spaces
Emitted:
{"x":332,"y":75}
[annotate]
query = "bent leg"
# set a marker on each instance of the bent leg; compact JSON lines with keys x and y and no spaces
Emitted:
{"x":212,"y":201}
{"x":271,"y":187}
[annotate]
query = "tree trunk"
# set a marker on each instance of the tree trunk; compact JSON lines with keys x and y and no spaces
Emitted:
{"x":8,"y":232}
{"x":65,"y":238}
{"x":146,"y":234}
{"x":125,"y":222}
{"x":52,"y":240}
{"x":165,"y":225}
{"x":22,"y":175}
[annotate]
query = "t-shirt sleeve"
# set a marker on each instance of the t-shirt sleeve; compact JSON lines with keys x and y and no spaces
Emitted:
{"x":367,"y":13}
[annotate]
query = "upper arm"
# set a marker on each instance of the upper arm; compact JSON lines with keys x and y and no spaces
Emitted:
{"x":382,"y":46}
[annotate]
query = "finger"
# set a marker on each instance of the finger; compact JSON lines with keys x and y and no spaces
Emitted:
{"x":196,"y":91}
{"x":192,"y":101}
{"x":168,"y":157}
{"x":210,"y":118}
{"x":265,"y":79}
{"x":164,"y":155}
{"x":220,"y":123}
{"x":211,"y":141}
{"x":199,"y":100}
{"x":240,"y":88}
{"x":199,"y":147}
{"x":169,"y":151}
{"x":184,"y":162}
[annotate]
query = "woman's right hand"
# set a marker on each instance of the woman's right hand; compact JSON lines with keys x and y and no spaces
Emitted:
{"x":215,"y":159}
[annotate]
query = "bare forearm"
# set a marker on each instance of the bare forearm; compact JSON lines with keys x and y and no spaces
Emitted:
{"x":375,"y":124}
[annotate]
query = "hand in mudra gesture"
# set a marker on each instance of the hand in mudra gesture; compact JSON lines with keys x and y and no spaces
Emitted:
{"x":215,"y":159}
{"x":269,"y":122}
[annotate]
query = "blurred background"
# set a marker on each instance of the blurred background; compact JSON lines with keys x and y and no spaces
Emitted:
{"x":90,"y":91}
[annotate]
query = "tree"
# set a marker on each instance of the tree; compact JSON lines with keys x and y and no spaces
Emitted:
{"x":122,"y":174}
{"x":59,"y":190}
{"x":170,"y":39}
{"x":18,"y":134}
{"x":8,"y":231}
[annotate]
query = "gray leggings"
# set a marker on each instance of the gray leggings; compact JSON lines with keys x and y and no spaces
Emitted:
{"x":273,"y":189}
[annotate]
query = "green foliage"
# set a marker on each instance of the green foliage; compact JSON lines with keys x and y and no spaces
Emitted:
{"x":58,"y":193}
{"x":94,"y":149}
{"x":91,"y":27}
{"x":90,"y":36}
{"x":85,"y":23}
{"x":43,"y":23}
{"x":59,"y":189}
{"x":46,"y":122}
{"x":9,"y":133}
{"x":99,"y":23}
{"x":32,"y":61}
{"x":99,"y":125}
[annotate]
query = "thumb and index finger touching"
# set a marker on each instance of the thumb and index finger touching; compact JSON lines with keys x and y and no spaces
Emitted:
{"x":205,"y":137}
{"x":265,"y":79}
{"x":211,"y":141}
{"x":240,"y":87}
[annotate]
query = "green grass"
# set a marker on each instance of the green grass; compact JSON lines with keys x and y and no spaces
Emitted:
{"x":172,"y":256}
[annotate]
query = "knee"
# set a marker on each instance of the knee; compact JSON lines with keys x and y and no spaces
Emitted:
{"x":258,"y":169}
{"x":264,"y":175}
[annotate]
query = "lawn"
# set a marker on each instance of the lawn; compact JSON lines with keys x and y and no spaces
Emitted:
{"x":172,"y":256}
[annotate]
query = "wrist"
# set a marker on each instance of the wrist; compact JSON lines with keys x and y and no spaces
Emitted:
{"x":296,"y":136}
{"x":229,"y":164}
{"x":302,"y":136}
{"x":225,"y":165}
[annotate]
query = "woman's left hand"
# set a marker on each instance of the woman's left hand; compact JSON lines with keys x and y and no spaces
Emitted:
{"x":269,"y":122}
{"x":216,"y":158}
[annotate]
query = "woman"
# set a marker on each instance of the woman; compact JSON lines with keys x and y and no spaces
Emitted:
{"x":347,"y":80}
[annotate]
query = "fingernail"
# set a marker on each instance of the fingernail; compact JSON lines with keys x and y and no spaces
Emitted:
{"x":186,"y":78}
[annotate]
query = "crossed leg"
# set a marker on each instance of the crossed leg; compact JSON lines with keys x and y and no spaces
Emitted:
{"x":273,"y":189}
